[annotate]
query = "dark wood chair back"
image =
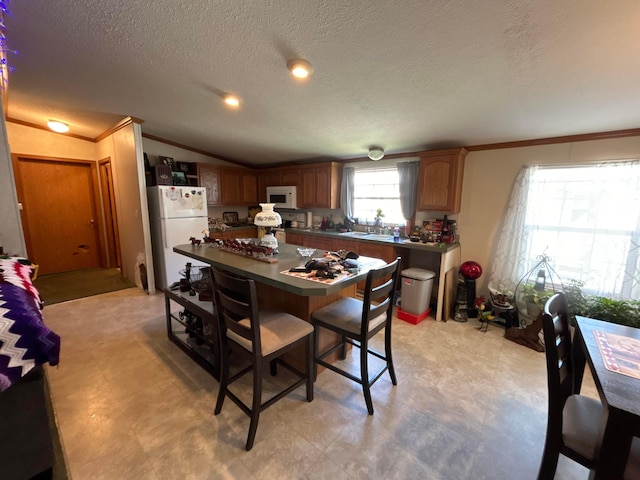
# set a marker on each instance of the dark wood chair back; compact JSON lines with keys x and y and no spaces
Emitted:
{"x":379,"y":292}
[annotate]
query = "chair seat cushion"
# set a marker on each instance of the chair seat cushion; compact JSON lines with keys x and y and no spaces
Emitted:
{"x":346,"y":314}
{"x":580,"y":430}
{"x":277,"y":329}
{"x":580,"y":423}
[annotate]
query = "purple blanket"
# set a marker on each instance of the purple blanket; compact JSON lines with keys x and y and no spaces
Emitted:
{"x":25,"y":341}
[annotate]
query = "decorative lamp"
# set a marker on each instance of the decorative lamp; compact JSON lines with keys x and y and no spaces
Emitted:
{"x":535,"y":288}
{"x":268,"y":218}
{"x":471,"y":271}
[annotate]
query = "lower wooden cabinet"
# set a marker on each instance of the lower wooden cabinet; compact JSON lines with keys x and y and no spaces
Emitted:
{"x":320,"y":243}
{"x":240,"y":232}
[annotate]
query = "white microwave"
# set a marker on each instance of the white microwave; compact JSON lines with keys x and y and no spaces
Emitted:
{"x":283,"y":197}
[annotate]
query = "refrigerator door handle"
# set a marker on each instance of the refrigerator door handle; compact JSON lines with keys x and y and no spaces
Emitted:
{"x":165,"y":237}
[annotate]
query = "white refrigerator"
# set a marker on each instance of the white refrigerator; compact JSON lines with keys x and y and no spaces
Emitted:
{"x":176,"y":213}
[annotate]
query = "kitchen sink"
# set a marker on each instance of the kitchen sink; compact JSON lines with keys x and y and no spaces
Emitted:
{"x":355,"y":234}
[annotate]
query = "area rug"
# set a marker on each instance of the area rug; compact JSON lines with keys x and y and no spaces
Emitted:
{"x":62,"y":287}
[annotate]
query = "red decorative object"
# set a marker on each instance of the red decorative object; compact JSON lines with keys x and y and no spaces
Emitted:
{"x":470,"y":270}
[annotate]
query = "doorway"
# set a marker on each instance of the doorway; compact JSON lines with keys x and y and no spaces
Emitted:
{"x":61,"y":214}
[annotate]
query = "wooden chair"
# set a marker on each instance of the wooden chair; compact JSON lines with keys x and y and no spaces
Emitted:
{"x":357,"y":321}
{"x":573,"y":420}
{"x":260,"y":337}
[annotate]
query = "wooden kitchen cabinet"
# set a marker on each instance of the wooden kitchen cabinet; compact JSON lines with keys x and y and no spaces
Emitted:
{"x":295,"y":238}
{"x":228,"y":185}
{"x":320,"y":185}
{"x":239,"y":186}
{"x":273,"y":177}
{"x":209,"y":178}
{"x":440,"y":180}
{"x":250,"y":231}
{"x":320,"y":243}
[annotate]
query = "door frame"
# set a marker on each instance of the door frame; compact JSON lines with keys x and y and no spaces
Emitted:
{"x":109,"y":211}
{"x":95,"y":184}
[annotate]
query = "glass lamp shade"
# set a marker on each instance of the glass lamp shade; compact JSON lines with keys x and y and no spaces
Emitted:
{"x":267,"y":217}
{"x":470,"y":270}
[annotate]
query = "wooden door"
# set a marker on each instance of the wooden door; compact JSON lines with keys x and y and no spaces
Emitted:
{"x":60,"y":214}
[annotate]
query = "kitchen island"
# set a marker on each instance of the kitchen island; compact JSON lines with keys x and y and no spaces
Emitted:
{"x":443,"y":259}
{"x":279,"y":291}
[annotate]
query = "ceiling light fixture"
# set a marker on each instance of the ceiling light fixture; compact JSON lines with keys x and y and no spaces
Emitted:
{"x":57,"y":126}
{"x":299,"y":68}
{"x":231,"y":100}
{"x":376,"y":153}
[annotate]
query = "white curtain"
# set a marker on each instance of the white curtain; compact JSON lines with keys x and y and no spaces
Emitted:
{"x":509,"y":259}
{"x":585,"y":217}
{"x":408,"y":175}
{"x":346,"y":192}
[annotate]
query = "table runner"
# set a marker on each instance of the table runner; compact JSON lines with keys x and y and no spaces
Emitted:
{"x":620,"y":354}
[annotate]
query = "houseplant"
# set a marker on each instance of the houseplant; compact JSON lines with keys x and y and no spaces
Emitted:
{"x":378,"y":220}
{"x":623,"y":312}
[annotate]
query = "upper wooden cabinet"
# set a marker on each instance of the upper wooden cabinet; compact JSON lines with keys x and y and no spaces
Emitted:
{"x":271,"y":177}
{"x":239,"y":186}
{"x":320,"y":185}
{"x":209,"y":178}
{"x":228,"y":185}
{"x":440,"y":180}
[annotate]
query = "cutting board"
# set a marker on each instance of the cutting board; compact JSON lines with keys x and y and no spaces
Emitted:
{"x":450,"y":287}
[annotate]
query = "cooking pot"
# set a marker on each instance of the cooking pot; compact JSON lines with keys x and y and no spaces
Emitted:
{"x":294,"y":224}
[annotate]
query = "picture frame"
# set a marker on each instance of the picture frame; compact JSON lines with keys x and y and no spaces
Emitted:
{"x":179,"y":178}
{"x":230,"y":218}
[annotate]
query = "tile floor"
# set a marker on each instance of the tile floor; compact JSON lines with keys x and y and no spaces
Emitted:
{"x":131,"y":405}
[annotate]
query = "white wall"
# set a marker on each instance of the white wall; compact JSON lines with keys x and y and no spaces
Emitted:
{"x":489,"y":177}
{"x":153,"y":149}
{"x":121,"y":149}
{"x":34,"y":141}
{"x":11,"y":234}
{"x":131,"y":201}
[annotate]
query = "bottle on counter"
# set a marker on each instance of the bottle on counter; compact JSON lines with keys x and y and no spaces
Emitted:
{"x":446,"y":234}
{"x":330,"y":223}
{"x":323,"y":224}
{"x":396,"y":234}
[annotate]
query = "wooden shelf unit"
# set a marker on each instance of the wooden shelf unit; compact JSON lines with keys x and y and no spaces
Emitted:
{"x":201,"y":347}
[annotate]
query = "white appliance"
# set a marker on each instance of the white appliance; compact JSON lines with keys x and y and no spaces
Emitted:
{"x":283,"y":196}
{"x":176,"y":213}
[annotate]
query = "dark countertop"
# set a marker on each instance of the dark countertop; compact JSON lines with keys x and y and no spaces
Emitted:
{"x":269,"y":273}
{"x":378,"y":238}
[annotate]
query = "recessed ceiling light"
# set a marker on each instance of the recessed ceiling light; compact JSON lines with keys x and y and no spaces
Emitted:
{"x":299,"y":68}
{"x":57,"y":126}
{"x":231,"y":100}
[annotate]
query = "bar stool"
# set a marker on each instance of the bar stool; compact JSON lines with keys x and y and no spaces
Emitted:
{"x":260,"y":337}
{"x":357,"y":321}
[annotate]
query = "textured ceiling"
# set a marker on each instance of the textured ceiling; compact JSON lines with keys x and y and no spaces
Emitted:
{"x":406,"y":75}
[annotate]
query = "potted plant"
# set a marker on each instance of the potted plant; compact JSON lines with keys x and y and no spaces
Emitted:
{"x":378,"y":220}
{"x":533,"y":299}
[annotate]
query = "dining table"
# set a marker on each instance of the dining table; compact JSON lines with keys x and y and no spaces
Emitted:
{"x":612,"y":352}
